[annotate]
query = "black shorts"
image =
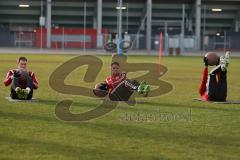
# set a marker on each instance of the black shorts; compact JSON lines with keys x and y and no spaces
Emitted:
{"x":217,"y":85}
{"x":124,"y":90}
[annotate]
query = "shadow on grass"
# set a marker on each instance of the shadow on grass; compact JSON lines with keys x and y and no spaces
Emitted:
{"x":185,"y":106}
{"x":154,"y":107}
{"x":125,"y":106}
{"x":121,"y":106}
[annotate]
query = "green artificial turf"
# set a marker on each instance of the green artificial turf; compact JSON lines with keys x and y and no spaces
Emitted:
{"x":168,"y":127}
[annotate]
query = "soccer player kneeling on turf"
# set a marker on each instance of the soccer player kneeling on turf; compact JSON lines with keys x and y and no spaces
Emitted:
{"x":119,"y":87}
{"x":214,"y":85}
{"x":21,"y":80}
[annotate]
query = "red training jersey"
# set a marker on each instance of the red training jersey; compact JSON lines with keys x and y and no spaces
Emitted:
{"x":114,"y":80}
{"x":10,"y":74}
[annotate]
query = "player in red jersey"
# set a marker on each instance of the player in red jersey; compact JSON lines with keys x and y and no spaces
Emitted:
{"x":117,"y":76}
{"x":119,"y":87}
{"x":21,"y":80}
{"x":214,"y":86}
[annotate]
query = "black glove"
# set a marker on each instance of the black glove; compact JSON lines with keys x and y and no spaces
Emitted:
{"x":16,"y":74}
{"x":205,"y":61}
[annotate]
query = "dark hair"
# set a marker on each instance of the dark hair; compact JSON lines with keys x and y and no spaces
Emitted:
{"x":115,"y":63}
{"x":22,"y":59}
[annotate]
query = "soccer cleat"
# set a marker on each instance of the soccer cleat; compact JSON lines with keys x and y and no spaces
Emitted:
{"x":224,"y":61}
{"x":227,"y":56}
{"x":18,"y":89}
{"x":19,"y":92}
{"x":146,"y":90}
{"x":22,"y":93}
{"x":28,"y":90}
{"x":25,"y":93}
{"x":141,"y":87}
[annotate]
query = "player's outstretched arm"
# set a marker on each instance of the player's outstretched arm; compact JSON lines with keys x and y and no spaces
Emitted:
{"x":9,"y":78}
{"x":35,"y":81}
